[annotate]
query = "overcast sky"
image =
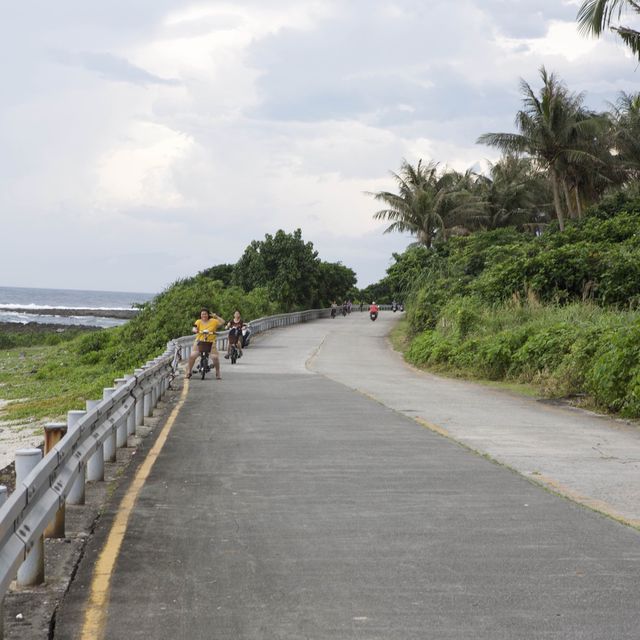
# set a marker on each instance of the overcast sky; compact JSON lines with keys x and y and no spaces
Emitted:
{"x":141,"y":142}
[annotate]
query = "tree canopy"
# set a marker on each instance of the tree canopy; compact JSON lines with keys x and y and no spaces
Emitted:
{"x":290,"y":270}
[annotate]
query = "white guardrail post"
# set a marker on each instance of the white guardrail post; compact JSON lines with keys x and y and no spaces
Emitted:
{"x":76,"y":493}
{"x":110,"y":442}
{"x":155,"y":389}
{"x":95,"y":466}
{"x":131,"y":416}
{"x":146,"y":400}
{"x":121,"y":431}
{"x":31,"y":571}
{"x":139,"y":396}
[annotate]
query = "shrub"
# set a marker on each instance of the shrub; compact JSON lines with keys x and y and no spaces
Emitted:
{"x":543,"y":350}
{"x":613,"y":375}
{"x":419,"y":353}
{"x":463,"y":315}
{"x":495,"y":353}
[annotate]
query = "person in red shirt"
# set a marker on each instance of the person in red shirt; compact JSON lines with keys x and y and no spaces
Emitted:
{"x":373,"y":308}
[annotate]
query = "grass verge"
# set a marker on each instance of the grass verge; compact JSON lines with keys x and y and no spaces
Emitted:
{"x":45,"y":381}
{"x":401,"y":342}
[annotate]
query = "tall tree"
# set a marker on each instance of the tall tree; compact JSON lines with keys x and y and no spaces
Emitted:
{"x":335,"y":282}
{"x":626,"y":132}
{"x":552,"y":129}
{"x":513,"y":194}
{"x":595,"y":16}
{"x":286,"y":265}
{"x":419,"y":205}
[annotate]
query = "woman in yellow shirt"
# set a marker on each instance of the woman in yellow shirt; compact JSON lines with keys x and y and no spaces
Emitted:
{"x":206,"y":342}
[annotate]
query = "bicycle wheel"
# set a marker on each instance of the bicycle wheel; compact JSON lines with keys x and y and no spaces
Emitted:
{"x":203,"y":367}
{"x":234,"y":354}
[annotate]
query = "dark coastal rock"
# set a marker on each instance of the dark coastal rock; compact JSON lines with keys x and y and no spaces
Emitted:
{"x":122,"y":314}
{"x":44,"y":327}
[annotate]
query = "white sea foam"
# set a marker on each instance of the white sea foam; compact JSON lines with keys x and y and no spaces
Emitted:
{"x":9,"y":306}
{"x":92,"y":321}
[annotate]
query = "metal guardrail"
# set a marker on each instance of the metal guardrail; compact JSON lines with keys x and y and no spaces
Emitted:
{"x":45,"y":490}
{"x":36,"y":499}
{"x":186,"y":343}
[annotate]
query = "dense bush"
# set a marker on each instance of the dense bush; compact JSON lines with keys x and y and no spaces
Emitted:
{"x":613,"y":377}
{"x":167,"y":316}
{"x":595,"y":259}
{"x":577,"y":349}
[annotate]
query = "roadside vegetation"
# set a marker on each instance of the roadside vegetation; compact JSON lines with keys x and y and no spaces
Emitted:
{"x":558,"y":311}
{"x":530,"y":273}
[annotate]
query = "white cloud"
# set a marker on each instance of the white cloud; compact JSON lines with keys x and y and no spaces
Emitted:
{"x":146,"y":135}
{"x":138,"y":172}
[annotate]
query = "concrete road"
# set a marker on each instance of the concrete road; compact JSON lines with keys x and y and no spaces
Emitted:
{"x":286,"y":505}
{"x":593,"y":459}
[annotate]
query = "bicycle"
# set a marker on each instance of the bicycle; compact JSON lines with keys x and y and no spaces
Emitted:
{"x":234,"y":353}
{"x":205,"y":349}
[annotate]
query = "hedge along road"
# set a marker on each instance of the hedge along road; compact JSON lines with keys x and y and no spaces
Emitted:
{"x":286,"y":504}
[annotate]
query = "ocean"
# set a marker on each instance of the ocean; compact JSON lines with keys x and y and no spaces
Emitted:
{"x":14,"y":298}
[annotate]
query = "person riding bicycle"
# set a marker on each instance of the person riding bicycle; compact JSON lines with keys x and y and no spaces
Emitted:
{"x":205,"y":329}
{"x":235,"y":334}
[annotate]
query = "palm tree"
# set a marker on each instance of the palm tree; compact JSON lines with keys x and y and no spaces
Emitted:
{"x":626,"y":132}
{"x":553,"y":129}
{"x":418,"y":205}
{"x":595,"y":15}
{"x":516,"y":193}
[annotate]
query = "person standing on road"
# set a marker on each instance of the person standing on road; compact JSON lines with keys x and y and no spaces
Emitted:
{"x":205,"y":329}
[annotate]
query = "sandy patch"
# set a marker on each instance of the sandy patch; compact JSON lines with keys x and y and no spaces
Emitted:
{"x":15,"y":435}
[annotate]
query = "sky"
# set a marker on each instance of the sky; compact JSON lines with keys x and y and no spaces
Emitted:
{"x":141,"y":142}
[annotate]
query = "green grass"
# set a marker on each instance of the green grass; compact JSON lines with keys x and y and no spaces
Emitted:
{"x":401,"y":341}
{"x":46,"y":381}
{"x":581,"y":353}
{"x":399,"y":336}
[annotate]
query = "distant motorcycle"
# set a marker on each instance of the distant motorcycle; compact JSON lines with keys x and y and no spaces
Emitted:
{"x":246,"y":335}
{"x":394,"y":307}
{"x":373,"y":315}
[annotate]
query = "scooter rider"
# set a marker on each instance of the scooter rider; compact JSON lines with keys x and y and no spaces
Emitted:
{"x":235,"y":334}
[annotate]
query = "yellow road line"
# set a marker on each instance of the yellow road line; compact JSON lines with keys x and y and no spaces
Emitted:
{"x":96,"y":612}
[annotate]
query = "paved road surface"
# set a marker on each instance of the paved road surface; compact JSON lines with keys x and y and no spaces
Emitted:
{"x":595,"y":460}
{"x":287,"y":505}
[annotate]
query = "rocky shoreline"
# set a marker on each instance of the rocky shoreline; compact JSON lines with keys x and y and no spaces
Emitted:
{"x":122,"y":314}
{"x":44,"y":327}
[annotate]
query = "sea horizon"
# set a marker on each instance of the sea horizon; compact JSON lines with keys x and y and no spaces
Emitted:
{"x":15,"y":303}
